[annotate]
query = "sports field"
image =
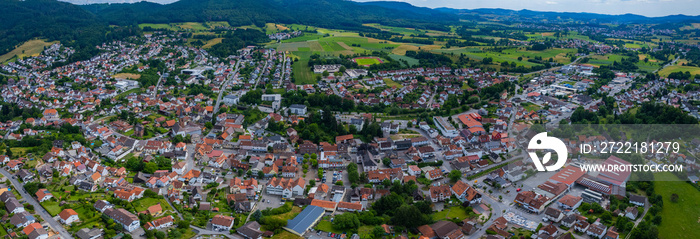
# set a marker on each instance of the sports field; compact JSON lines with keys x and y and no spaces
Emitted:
{"x":367,"y":61}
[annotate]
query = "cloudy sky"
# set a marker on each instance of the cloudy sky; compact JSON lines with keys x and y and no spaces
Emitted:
{"x":652,"y":8}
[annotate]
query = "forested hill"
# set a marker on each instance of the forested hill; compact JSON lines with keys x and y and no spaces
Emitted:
{"x":323,"y":13}
{"x":21,"y":21}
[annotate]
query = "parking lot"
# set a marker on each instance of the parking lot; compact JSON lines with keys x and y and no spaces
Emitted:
{"x":269,"y":201}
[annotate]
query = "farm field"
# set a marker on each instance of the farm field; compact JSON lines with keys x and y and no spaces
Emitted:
{"x":599,"y":60}
{"x":29,"y":48}
{"x":511,"y":55}
{"x":680,"y":219}
{"x":212,"y":42}
{"x":127,"y":76}
{"x":408,"y":31}
{"x":410,"y":60}
{"x":670,"y":69}
{"x":274,"y":28}
{"x":192,"y":26}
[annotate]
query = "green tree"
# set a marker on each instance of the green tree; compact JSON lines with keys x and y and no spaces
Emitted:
{"x":257,"y":215}
{"x":346,"y":221}
{"x":409,"y":216}
{"x":454,"y":176}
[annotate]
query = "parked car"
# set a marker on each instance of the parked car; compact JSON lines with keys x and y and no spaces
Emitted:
{"x":329,"y":234}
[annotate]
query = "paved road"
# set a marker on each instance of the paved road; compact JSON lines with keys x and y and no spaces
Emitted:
{"x":155,"y":90}
{"x":227,"y":234}
{"x":639,"y":218}
{"x":262,"y":72}
{"x":669,"y":64}
{"x":222,"y":88}
{"x":56,"y":226}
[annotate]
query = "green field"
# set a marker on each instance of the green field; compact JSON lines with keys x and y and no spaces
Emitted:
{"x":410,"y":60}
{"x":300,"y":69}
{"x":680,"y":219}
{"x":457,"y":212}
{"x":511,"y":55}
{"x":390,"y":83}
{"x":670,"y":69}
{"x":159,"y":26}
{"x":409,"y":31}
{"x":143,"y":204}
{"x":185,"y":26}
{"x":367,"y":61}
{"x":51,"y":207}
{"x":327,"y":226}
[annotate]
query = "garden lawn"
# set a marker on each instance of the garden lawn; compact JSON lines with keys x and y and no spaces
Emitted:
{"x":51,"y":207}
{"x":285,"y":235}
{"x":450,"y":213}
{"x":365,"y":231}
{"x":143,"y":204}
{"x":326,"y":226}
{"x":680,"y":219}
{"x":390,"y":83}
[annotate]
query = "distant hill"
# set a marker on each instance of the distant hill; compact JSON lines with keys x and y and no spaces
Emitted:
{"x":529,"y":15}
{"x":340,"y":14}
{"x":84,"y":2}
{"x":55,"y":21}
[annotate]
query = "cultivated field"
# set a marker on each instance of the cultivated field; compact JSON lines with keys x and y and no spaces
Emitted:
{"x":29,"y":48}
{"x":670,"y":69}
{"x":127,"y":76}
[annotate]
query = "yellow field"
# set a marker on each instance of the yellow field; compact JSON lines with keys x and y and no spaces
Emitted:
{"x":212,"y":42}
{"x":271,"y":27}
{"x":127,"y":76}
{"x":29,"y":48}
{"x":668,"y":70}
{"x":644,"y":56}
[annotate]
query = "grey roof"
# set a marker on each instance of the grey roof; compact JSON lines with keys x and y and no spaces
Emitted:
{"x":305,"y":219}
{"x":88,"y":233}
{"x":37,"y":233}
{"x":250,"y":230}
{"x":297,"y":106}
{"x":21,"y":218}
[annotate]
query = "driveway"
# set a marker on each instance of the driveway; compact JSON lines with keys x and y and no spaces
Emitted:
{"x":56,"y":226}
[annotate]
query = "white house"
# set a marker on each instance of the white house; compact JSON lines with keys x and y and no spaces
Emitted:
{"x":297,"y":109}
{"x":286,"y":187}
{"x":68,"y":216}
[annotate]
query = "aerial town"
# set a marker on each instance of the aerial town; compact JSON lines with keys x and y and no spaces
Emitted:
{"x":154,"y":138}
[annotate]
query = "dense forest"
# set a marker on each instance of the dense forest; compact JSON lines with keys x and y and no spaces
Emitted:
{"x":83,"y":27}
{"x":55,"y":21}
{"x":346,"y":15}
{"x":235,"y":40}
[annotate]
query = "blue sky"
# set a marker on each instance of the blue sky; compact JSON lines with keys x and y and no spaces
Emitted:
{"x":652,"y":8}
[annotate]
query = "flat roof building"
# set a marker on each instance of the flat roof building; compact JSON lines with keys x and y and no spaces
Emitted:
{"x":305,"y":220}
